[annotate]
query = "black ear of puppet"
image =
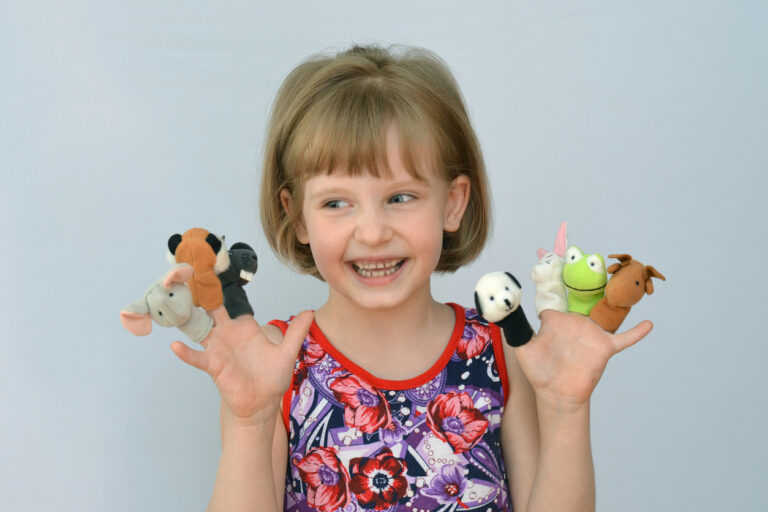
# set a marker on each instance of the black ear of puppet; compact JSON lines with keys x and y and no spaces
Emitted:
{"x":241,"y":245}
{"x":173,"y":243}
{"x":477,"y":305}
{"x":214,"y":242}
{"x":514,"y":279}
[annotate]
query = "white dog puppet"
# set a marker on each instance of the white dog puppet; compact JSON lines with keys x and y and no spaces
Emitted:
{"x":547,"y":273}
{"x":497,"y":298}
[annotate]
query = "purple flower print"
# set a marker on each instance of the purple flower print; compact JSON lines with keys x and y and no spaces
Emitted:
{"x":392,"y":433}
{"x":448,"y":486}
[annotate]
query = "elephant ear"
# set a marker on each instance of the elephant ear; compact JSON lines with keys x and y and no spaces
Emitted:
{"x":181,"y":273}
{"x":135,"y":318}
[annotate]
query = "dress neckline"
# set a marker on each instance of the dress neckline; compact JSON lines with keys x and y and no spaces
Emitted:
{"x":389,"y":384}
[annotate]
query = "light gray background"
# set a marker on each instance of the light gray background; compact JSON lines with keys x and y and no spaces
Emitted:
{"x":641,"y":123}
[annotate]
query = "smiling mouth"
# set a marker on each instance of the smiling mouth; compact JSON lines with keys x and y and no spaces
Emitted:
{"x":378,"y":269}
{"x":581,"y":289}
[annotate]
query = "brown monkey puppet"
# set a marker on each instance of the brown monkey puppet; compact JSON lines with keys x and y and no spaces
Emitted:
{"x":629,"y":282}
{"x":208,"y":256}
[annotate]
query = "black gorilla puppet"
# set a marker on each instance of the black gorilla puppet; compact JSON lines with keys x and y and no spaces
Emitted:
{"x":242,"y":266}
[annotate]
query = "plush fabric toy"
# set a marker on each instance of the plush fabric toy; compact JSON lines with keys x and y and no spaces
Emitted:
{"x":242,"y":265}
{"x":169,"y":303}
{"x":497,"y":299}
{"x":630,"y":280}
{"x":584,"y":277}
{"x":547,"y":274}
{"x":208,"y":257}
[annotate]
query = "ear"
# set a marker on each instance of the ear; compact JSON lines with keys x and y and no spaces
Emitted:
{"x":286,"y":200}
{"x":561,"y":240}
{"x":652,"y":272}
{"x":173,"y":243}
{"x":456,"y":202}
{"x":477,"y":305}
{"x":136,"y":319}
{"x":648,"y":273}
{"x":180,"y":274}
{"x":514,"y":279}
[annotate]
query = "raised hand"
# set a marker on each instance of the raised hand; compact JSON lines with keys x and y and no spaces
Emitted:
{"x":566,"y":359}
{"x":250,"y":370}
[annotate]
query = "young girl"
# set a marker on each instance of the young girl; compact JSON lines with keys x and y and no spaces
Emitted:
{"x":373,"y":180}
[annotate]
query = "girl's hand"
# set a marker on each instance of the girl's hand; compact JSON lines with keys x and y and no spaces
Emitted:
{"x":250,"y":370}
{"x":566,"y":359}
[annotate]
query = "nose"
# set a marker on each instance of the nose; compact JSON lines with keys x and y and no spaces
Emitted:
{"x":372,"y":227}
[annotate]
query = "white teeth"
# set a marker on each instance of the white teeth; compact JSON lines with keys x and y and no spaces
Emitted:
{"x":379,"y":269}
{"x":374,"y":266}
{"x":244,"y":274}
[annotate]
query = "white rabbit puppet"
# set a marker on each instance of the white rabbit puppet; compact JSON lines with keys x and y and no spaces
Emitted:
{"x":547,"y":273}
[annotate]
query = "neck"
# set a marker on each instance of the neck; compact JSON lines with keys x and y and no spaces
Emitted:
{"x":342,"y":319}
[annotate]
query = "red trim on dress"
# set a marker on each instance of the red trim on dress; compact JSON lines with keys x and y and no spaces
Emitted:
{"x":501,"y":362}
{"x":283,"y":326}
{"x":396,"y":385}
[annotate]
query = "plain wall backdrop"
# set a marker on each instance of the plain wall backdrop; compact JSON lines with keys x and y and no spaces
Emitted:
{"x":643,"y":124}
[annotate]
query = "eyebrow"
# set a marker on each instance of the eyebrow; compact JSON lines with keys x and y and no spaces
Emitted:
{"x":340,"y":189}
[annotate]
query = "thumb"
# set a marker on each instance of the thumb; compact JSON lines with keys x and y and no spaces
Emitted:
{"x":196,"y":358}
{"x":628,"y":338}
{"x":297,"y":331}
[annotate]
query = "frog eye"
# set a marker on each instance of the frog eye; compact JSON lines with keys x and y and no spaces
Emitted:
{"x":573,"y":255}
{"x":595,"y":264}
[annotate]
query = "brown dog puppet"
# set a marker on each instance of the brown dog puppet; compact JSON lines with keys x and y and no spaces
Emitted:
{"x":629,"y":282}
{"x":208,"y":256}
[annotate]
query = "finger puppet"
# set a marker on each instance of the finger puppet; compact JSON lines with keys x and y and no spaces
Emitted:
{"x":547,"y":273}
{"x":208,"y":257}
{"x":497,"y":299}
{"x":169,"y":303}
{"x":242,"y":265}
{"x":584,"y":277}
{"x":630,"y":280}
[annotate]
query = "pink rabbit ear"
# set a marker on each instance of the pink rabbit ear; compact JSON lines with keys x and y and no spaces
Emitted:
{"x":561,"y":240}
{"x":540,"y":253}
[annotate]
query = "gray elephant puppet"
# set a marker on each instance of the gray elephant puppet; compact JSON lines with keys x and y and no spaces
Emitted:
{"x":169,"y":303}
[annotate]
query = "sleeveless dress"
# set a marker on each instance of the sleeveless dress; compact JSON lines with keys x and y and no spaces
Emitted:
{"x":358,"y":443}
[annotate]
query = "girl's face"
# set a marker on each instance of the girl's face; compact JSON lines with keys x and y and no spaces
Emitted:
{"x":376,"y":241}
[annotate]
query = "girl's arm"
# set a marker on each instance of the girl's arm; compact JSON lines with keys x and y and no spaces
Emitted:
{"x":251,"y":471}
{"x":252,"y":368}
{"x":555,"y":374}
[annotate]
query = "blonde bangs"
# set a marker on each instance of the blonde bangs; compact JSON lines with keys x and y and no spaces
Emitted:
{"x":346,"y":132}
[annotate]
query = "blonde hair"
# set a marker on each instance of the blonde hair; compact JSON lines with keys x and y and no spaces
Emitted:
{"x":333,"y":112}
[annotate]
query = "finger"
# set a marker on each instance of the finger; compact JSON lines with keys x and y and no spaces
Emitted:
{"x":632,"y":336}
{"x":196,"y":358}
{"x":219,"y":315}
{"x":297,"y":331}
{"x":547,"y":315}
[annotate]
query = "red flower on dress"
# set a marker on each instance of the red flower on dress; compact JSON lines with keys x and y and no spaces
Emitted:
{"x":312,"y":352}
{"x":378,"y":482}
{"x":365,"y":407}
{"x":326,"y":478}
{"x":474,"y":339}
{"x":454,"y":419}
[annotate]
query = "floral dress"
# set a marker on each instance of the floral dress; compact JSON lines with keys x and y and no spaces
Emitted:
{"x":431,"y":443}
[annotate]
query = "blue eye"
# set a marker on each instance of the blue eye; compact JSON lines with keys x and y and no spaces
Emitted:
{"x":334,"y":204}
{"x":401,"y":198}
